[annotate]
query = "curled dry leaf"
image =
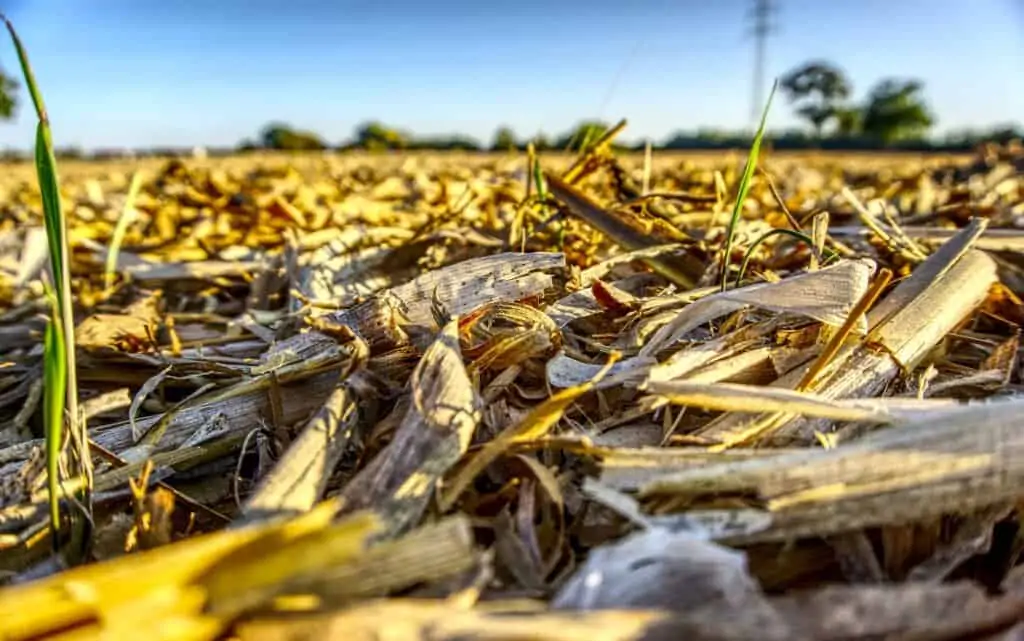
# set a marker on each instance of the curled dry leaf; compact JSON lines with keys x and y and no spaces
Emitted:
{"x":437,"y":429}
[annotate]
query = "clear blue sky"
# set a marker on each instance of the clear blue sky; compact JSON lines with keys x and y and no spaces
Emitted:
{"x":183,"y":72}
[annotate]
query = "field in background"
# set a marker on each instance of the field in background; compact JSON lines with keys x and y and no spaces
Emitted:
{"x":440,"y":389}
{"x":895,"y":158}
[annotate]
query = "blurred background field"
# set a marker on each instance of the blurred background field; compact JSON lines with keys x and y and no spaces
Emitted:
{"x":75,"y":169}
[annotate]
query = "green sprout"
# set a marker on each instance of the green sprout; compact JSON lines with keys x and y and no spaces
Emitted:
{"x":61,"y":387}
{"x":744,"y":188}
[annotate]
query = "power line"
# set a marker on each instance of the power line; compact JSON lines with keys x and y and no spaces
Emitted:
{"x":761,"y":14}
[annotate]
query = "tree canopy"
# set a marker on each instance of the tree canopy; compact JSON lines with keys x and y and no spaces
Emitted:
{"x":819,"y":88}
{"x":504,"y":139}
{"x":375,"y":136}
{"x":8,"y":96}
{"x":896,"y":110}
{"x":282,"y":136}
{"x":541,"y":142}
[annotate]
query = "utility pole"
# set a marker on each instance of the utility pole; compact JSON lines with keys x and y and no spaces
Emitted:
{"x":761,"y":14}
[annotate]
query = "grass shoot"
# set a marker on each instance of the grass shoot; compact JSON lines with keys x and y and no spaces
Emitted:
{"x":744,"y":188}
{"x":61,"y":388}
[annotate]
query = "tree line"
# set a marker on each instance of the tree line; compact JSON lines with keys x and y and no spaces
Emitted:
{"x":892,"y":114}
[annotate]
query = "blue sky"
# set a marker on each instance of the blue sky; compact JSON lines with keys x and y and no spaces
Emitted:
{"x":137,"y":73}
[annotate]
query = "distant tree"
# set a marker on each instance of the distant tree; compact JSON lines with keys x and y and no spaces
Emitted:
{"x":714,"y":135}
{"x":282,"y":136}
{"x":8,"y":96}
{"x":791,"y":136}
{"x":453,"y":142}
{"x":820,"y":87}
{"x":679,"y":140}
{"x":1004,"y":133}
{"x":961,"y":137}
{"x":464,"y":143}
{"x":13,"y":155}
{"x":583,"y":135}
{"x":460,"y":142}
{"x":504,"y":140}
{"x":273,"y":134}
{"x":248,"y":145}
{"x":703,"y":138}
{"x":895,"y":110}
{"x":849,"y":122}
{"x":541,"y":142}
{"x":788,"y":138}
{"x":69,"y":153}
{"x":374,"y":136}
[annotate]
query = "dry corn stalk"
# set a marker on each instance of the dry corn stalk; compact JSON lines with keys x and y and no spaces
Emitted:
{"x":435,"y":432}
{"x":904,"y":327}
{"x":959,"y":461}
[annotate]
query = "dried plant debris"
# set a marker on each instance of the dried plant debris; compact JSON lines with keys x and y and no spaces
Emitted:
{"x":462,"y":396}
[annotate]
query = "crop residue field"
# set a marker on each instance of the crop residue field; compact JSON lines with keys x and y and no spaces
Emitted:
{"x":409,"y":396}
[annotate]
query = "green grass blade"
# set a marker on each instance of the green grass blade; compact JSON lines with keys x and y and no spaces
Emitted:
{"x":46,"y":169}
{"x":126,"y":219}
{"x":59,"y":353}
{"x":53,"y":216}
{"x":775,"y":232}
{"x":54,"y":392}
{"x":26,"y":70}
{"x":538,"y":177}
{"x":744,"y":188}
{"x":588,"y":137}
